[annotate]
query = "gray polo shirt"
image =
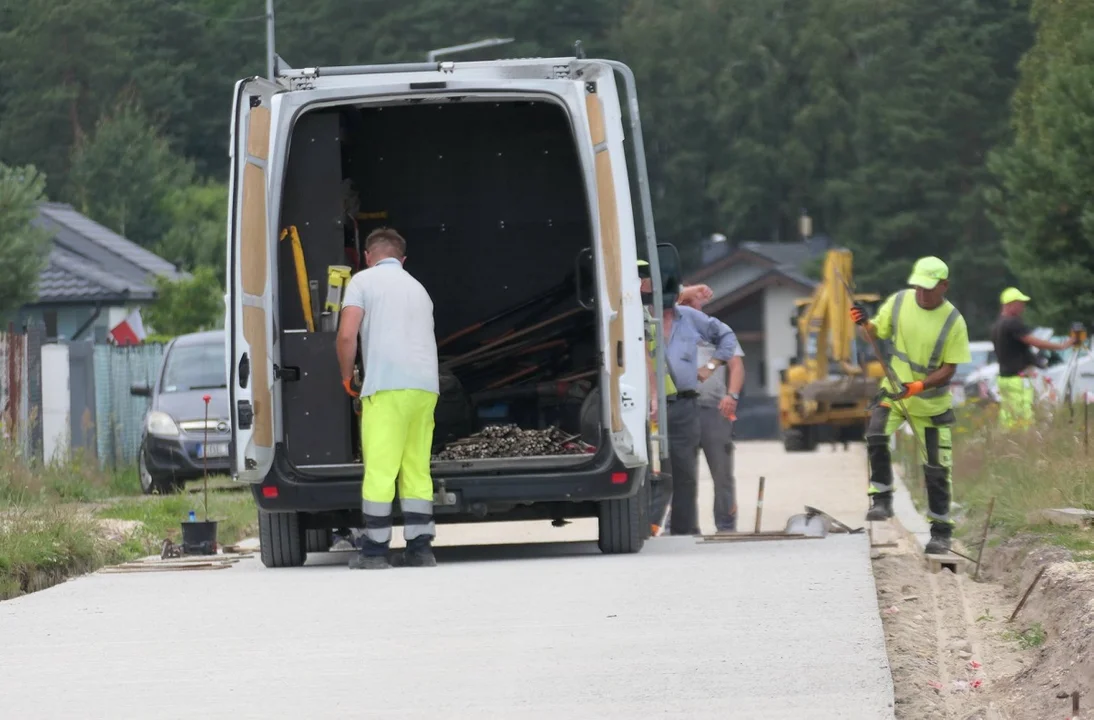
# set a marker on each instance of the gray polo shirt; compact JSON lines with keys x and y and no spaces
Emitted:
{"x":714,"y":389}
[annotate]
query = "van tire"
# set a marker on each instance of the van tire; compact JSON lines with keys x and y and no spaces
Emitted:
{"x":624,"y":524}
{"x":281,"y":538}
{"x":318,"y":541}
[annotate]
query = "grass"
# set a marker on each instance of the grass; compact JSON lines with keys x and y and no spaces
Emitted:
{"x":1047,"y":466}
{"x":52,"y":518}
{"x":1032,"y":637}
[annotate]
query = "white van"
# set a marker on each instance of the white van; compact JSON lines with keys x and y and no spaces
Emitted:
{"x":509,"y":180}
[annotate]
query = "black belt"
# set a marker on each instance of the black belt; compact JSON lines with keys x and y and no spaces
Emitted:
{"x":683,"y":395}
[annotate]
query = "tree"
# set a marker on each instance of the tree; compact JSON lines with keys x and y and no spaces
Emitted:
{"x":197,"y":215}
{"x":1043,"y":202}
{"x":188,"y":305}
{"x":23,"y":247}
{"x":125,"y":175}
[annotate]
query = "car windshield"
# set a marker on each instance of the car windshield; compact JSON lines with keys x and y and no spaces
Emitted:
{"x":195,"y":367}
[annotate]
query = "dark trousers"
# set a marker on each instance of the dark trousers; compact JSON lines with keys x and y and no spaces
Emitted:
{"x":681,"y":487}
{"x":716,"y":440}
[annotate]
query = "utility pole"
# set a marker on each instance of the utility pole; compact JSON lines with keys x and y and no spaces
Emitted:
{"x":270,"y":58}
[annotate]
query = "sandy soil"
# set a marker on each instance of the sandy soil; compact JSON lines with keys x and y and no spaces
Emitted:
{"x":954,"y":655}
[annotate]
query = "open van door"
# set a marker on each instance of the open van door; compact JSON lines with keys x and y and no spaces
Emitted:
{"x":250,"y":285}
{"x":623,"y":374}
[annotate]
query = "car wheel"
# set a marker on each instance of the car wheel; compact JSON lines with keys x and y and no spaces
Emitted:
{"x":281,"y":539}
{"x":624,"y":524}
{"x":155,"y":483}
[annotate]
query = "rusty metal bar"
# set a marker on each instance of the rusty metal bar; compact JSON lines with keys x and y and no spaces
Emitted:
{"x":1025,"y":597}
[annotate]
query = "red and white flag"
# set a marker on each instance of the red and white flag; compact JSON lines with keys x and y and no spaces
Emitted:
{"x":129,"y":331}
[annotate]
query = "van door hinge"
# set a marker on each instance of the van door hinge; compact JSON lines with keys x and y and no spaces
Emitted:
{"x":288,"y":374}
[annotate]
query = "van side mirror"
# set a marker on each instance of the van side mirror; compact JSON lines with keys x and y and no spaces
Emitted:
{"x":671,"y":275}
{"x":140,"y":390}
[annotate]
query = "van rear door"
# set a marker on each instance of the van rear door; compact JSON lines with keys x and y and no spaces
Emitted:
{"x":250,"y":286}
{"x":624,"y":368}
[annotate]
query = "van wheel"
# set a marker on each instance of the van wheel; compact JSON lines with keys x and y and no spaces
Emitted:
{"x":318,"y":541}
{"x":624,"y":524}
{"x":281,"y":537}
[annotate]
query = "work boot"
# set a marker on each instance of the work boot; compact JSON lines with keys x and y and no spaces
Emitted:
{"x":881,"y":507}
{"x":940,"y":541}
{"x":419,"y":557}
{"x":368,"y":562}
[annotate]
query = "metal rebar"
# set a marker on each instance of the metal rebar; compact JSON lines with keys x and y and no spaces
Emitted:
{"x":983,"y":539}
{"x":1025,"y":597}
{"x":760,"y":503}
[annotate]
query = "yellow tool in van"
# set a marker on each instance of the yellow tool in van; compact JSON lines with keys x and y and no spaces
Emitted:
{"x":337,"y":278}
{"x":301,"y":274}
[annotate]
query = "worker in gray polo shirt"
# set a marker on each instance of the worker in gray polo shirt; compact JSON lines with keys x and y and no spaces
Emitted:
{"x":718,"y":396}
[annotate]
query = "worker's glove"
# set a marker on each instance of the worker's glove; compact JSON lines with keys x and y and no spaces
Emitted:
{"x":907,"y":390}
{"x":858,"y":314}
{"x":353,"y":389}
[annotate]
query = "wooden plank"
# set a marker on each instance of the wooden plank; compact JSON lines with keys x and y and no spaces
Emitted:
{"x":609,"y":254}
{"x":258,"y":133}
{"x":254,"y":331}
{"x":252,"y":231}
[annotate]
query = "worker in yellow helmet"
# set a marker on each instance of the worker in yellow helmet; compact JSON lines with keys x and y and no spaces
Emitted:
{"x":929,"y":340}
{"x":1013,"y":339}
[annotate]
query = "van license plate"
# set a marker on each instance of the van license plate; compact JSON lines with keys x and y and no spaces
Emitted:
{"x":213,"y":450}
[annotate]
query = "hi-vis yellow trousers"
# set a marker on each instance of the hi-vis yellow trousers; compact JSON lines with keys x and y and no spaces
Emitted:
{"x":1015,"y":402}
{"x":396,"y":441}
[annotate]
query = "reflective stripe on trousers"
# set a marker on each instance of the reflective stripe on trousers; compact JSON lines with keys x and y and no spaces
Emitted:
{"x":935,"y":361}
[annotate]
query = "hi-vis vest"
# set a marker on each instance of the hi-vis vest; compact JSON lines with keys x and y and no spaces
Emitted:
{"x":651,"y":347}
{"x":909,"y":370}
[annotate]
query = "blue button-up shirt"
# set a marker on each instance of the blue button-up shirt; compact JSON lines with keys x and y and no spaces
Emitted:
{"x":689,"y":326}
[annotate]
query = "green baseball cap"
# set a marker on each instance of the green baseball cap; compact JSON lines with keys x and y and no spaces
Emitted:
{"x":643,"y":269}
{"x":1012,"y":294}
{"x":928,"y":272}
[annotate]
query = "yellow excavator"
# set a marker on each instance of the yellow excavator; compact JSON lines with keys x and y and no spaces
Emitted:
{"x":825,"y":395}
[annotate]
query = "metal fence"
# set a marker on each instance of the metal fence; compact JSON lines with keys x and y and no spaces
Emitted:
{"x":119,"y":414}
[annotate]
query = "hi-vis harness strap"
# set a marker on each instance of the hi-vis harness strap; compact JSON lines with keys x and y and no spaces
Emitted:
{"x":936,"y":353}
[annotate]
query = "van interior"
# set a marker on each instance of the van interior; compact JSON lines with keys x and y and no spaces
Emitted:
{"x":491,"y":198}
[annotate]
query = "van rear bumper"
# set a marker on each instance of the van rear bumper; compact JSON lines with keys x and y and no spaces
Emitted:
{"x":284,"y":491}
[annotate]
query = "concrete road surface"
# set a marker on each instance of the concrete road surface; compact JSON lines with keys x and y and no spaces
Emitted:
{"x":784,"y":629}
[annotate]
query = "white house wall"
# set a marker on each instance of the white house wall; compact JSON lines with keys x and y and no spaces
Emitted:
{"x":779,"y":337}
{"x":55,"y":402}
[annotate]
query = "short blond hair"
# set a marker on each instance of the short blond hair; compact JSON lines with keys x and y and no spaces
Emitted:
{"x":386,"y":236}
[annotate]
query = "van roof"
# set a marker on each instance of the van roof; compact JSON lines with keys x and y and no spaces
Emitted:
{"x":209,"y":337}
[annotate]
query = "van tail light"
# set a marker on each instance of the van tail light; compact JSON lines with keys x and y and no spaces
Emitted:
{"x":619,"y":478}
{"x":269,"y":492}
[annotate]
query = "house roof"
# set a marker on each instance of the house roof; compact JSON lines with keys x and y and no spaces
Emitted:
{"x":90,"y":263}
{"x":753,"y":266}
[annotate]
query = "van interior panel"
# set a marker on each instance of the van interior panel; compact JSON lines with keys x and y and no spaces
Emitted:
{"x":312,"y":203}
{"x":252,"y":231}
{"x":254,"y":332}
{"x":609,"y":249}
{"x":491,"y":198}
{"x":258,"y":133}
{"x":319,"y":430}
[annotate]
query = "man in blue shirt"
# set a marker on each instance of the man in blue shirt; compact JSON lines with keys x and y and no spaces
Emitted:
{"x":683,"y":328}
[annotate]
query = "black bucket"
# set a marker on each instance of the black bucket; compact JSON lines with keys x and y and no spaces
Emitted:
{"x":199,"y":538}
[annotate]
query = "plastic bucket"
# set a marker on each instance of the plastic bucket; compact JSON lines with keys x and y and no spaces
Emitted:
{"x":199,"y":538}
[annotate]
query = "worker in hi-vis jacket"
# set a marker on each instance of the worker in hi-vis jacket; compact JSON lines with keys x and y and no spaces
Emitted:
{"x":929,"y":340}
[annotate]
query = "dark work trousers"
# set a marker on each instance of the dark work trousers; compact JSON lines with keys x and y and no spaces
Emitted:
{"x":716,"y":439}
{"x":682,"y":490}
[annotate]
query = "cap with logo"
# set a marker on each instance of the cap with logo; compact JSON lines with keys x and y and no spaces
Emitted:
{"x":928,"y":272}
{"x":1012,"y":294}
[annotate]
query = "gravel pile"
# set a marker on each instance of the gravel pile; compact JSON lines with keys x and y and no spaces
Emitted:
{"x":506,"y":441}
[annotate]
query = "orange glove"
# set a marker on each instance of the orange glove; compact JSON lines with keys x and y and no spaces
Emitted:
{"x":858,"y":314}
{"x":909,"y":390}
{"x":347,"y":383}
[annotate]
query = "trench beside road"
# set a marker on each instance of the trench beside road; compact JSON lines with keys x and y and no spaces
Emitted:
{"x":519,"y":620}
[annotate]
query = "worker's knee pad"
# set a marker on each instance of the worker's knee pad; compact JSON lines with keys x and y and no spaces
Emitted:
{"x":938,"y":492}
